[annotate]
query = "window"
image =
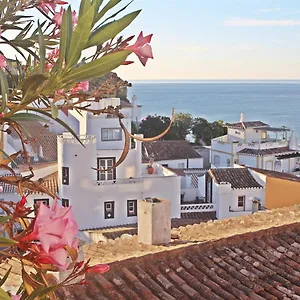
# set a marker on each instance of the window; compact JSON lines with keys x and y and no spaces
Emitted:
{"x":241,"y":202}
{"x":39,"y":201}
{"x":65,"y":202}
{"x":235,"y":161}
{"x":217,"y":160}
{"x":131,"y":208}
{"x":109,"y":210}
{"x":106,"y":163}
{"x":111,"y":134}
{"x":65,"y":175}
{"x":165,"y":165}
{"x":181,"y":166}
{"x":228,"y":162}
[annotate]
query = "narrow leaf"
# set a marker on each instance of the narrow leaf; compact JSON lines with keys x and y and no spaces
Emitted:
{"x":4,"y":242}
{"x":54,"y":110}
{"x":96,"y":68}
{"x":3,"y":295}
{"x":42,"y":292}
{"x":29,"y":117}
{"x":3,"y":220}
{"x":109,"y":31}
{"x":69,"y":28}
{"x":42,"y":49}
{"x":106,"y":8}
{"x":80,"y":37}
{"x":2,"y":281}
{"x":4,"y":90}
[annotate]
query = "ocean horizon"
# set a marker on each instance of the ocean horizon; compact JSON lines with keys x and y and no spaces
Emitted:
{"x":275,"y":102}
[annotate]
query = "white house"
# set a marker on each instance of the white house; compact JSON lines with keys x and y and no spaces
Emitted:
{"x":256,"y":144}
{"x":99,"y":199}
{"x":181,"y":158}
{"x":233,"y":190}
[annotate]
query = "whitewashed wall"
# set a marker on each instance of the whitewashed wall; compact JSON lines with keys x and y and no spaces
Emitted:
{"x":177,"y":163}
{"x":226,"y":197}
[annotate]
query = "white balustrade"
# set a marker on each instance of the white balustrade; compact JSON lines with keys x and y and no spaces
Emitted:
{"x":119,"y":181}
{"x":203,"y":207}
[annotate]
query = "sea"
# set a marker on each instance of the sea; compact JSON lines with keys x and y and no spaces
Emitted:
{"x":276,"y":103}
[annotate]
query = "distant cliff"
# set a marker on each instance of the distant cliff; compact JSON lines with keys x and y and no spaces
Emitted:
{"x":110,"y":85}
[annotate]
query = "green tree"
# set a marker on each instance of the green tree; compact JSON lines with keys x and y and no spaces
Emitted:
{"x":182,"y":125}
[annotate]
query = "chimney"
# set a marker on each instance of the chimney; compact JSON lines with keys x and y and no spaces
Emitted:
{"x":293,"y":145}
{"x":154,"y":221}
{"x":242,"y":118}
{"x":255,"y":205}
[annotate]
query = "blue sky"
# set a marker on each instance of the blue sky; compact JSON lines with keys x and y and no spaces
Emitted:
{"x":216,"y":39}
{"x":219,"y":39}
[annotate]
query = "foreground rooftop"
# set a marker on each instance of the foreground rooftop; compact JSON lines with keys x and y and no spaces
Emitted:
{"x":251,"y":257}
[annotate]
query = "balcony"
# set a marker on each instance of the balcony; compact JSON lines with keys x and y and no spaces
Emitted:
{"x":204,"y":207}
{"x":70,"y":139}
{"x":118,"y":181}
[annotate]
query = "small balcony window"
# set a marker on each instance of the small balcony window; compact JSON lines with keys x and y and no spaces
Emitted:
{"x":65,"y":202}
{"x":131,"y":208}
{"x":241,"y":202}
{"x":109,"y":210}
{"x":111,"y":134}
{"x":65,"y":175}
{"x":39,"y":201}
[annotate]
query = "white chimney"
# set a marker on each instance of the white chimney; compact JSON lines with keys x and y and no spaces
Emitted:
{"x":293,"y":145}
{"x":242,"y":119}
{"x":154,"y":221}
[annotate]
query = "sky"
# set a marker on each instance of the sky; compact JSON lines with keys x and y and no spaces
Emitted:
{"x":216,"y":39}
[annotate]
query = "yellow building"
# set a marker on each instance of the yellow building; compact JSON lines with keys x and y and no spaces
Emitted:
{"x":282,"y":189}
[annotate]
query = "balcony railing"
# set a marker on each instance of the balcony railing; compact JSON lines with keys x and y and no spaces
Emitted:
{"x":204,"y":207}
{"x":119,"y":181}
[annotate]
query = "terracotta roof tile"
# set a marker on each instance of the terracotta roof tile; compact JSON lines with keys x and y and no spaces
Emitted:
{"x":256,"y":265}
{"x":239,"y":178}
{"x":270,"y":151}
{"x":168,"y":150}
{"x":276,"y":174}
{"x":244,"y":125}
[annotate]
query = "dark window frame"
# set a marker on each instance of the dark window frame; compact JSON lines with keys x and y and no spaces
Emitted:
{"x":134,"y":213}
{"x":45,"y":201}
{"x":99,"y":166}
{"x":65,"y":175}
{"x":63,"y":201}
{"x":109,"y":213}
{"x":111,"y":140}
{"x":241,"y":200}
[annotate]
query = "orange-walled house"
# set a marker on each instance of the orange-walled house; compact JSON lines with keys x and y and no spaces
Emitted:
{"x":281,"y":189}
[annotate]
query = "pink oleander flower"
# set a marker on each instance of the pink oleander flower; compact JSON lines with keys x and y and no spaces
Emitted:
{"x":45,"y":5}
{"x":100,"y":269}
{"x":142,"y":48}
{"x":54,"y":227}
{"x":3,"y":62}
{"x":57,"y":19}
{"x":16,"y":297}
{"x":80,"y":86}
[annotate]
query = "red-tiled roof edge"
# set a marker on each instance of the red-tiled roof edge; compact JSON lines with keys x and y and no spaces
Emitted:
{"x":276,"y":174}
{"x":208,"y":245}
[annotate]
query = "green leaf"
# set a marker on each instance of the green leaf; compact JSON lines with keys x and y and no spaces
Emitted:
{"x":84,"y":6}
{"x":41,"y":292}
{"x":58,"y":121}
{"x":2,"y":281}
{"x":4,"y":242}
{"x":106,"y":8}
{"x":42,"y":49}
{"x":96,"y":68}
{"x":30,"y":87}
{"x":29,"y":117}
{"x":54,"y":110}
{"x":80,"y":37}
{"x":3,"y":295}
{"x":4,"y":219}
{"x":69,"y":28}
{"x":4,"y":90}
{"x":109,"y":31}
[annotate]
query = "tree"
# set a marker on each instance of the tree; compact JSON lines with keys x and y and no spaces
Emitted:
{"x":182,"y":125}
{"x":205,"y":131}
{"x":154,"y":125}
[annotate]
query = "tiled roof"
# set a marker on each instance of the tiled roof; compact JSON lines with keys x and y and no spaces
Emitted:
{"x":168,"y":150}
{"x":244,"y":125}
{"x":40,"y":137}
{"x":239,"y":178}
{"x":50,"y":182}
{"x":270,"y":151}
{"x":256,"y":265}
{"x":186,"y":219}
{"x":276,"y":174}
